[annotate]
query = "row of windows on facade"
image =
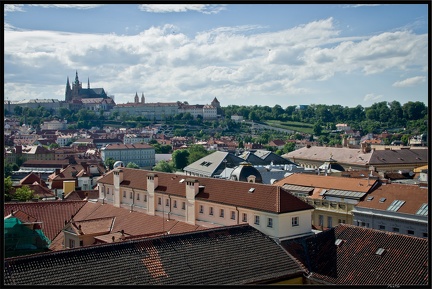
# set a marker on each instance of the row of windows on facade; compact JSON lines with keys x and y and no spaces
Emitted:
{"x":394,"y":229}
{"x":329,"y":221}
{"x":294,"y":220}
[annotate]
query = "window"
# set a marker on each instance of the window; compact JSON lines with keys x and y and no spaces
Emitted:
{"x":130,"y":195}
{"x":244,"y":219}
{"x":138,"y":196}
{"x":329,"y":222}
{"x":211,"y":211}
{"x":124,"y":194}
{"x":201,"y":209}
{"x":175,"y":204}
{"x":425,"y":235}
{"x":256,"y":220}
{"x":145,"y":198}
{"x":167,"y":203}
{"x":159,"y":201}
{"x":381,"y":227}
{"x":395,"y":229}
{"x":423,"y":211}
{"x":183,"y":206}
{"x":321,"y":220}
{"x":295,"y":221}
{"x":81,"y":243}
{"x":232,"y":215}
{"x":410,"y":232}
{"x":107,"y":191}
{"x":221,"y":214}
{"x":270,"y":223}
{"x":71,"y":243}
{"x":341,"y":221}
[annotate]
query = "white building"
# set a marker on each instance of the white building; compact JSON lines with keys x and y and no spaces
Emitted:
{"x":141,"y":154}
{"x":208,"y":202}
{"x":54,"y":125}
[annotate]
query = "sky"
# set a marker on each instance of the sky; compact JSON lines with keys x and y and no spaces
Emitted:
{"x":242,"y":54}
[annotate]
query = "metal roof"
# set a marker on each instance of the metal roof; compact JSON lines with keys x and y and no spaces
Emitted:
{"x":345,"y":194}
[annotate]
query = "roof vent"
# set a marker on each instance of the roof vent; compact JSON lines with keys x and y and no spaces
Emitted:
{"x":370,"y":198}
{"x":382,"y":200}
{"x":251,"y":190}
{"x":380,"y":251}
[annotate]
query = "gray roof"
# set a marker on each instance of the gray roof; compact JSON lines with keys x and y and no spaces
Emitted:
{"x":213,"y":164}
{"x":210,"y":257}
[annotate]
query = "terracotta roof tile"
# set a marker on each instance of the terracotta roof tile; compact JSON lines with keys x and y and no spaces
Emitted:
{"x":52,"y":214}
{"x":355,"y":261}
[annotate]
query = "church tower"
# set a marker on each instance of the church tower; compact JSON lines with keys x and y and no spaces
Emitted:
{"x":68,"y":92}
{"x":142,"y":98}
{"x":88,"y":83}
{"x":136,"y":97}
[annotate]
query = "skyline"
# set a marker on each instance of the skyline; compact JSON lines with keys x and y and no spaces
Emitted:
{"x":242,"y":54}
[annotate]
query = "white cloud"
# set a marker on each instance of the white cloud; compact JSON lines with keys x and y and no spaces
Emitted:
{"x":410,"y":81}
{"x":169,"y":8}
{"x":371,"y":97}
{"x":13,"y":8}
{"x":69,"y":6}
{"x":240,"y":62}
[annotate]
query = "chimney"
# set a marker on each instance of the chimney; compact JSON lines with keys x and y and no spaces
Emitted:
{"x":192,"y":188}
{"x":152,"y":182}
{"x":18,"y":149}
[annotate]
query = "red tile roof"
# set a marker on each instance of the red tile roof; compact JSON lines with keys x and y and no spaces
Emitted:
{"x":264,"y":197}
{"x":413,"y":195}
{"x":356,"y":262}
{"x":52,"y":214}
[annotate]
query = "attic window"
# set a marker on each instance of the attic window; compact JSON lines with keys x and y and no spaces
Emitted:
{"x":339,"y":242}
{"x":380,"y":251}
{"x":370,"y":198}
{"x":382,"y":200}
{"x":251,"y":190}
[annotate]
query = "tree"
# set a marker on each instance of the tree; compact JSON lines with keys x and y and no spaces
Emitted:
{"x":180,"y":159}
{"x":196,"y":152}
{"x":109,"y":163}
{"x":132,"y":165}
{"x":53,"y":145}
{"x":317,"y":129}
{"x":8,"y":188}
{"x":164,"y":166}
{"x":24,"y":194}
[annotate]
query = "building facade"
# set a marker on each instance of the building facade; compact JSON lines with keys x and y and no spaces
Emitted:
{"x":141,"y":154}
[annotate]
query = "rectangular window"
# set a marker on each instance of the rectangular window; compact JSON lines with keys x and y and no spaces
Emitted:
{"x":232,"y":215}
{"x":145,"y":198}
{"x":425,"y":235}
{"x":329,"y":222}
{"x":159,"y":201}
{"x":381,"y":227}
{"x":321,"y":220}
{"x":256,"y":220}
{"x":341,"y":221}
{"x":124,"y":194}
{"x":130,"y":195}
{"x":244,"y":219}
{"x":211,"y":211}
{"x":201,"y":209}
{"x":410,"y":232}
{"x":71,"y":243}
{"x":175,"y":204}
{"x":183,"y":206}
{"x":107,"y":191}
{"x":295,"y":221}
{"x":221,"y":214}
{"x":138,"y":196}
{"x":395,"y":229}
{"x":167,"y":203}
{"x":81,"y":243}
{"x":270,"y":223}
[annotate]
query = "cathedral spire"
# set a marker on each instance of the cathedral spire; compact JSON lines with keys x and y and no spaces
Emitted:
{"x":142,"y":98}
{"x":136,"y":97}
{"x":88,"y":83}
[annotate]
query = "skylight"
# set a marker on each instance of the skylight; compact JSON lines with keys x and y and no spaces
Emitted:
{"x":423,"y":211}
{"x":380,"y":251}
{"x":395,"y":205}
{"x":182,"y":180}
{"x":338,"y":242}
{"x":382,"y":200}
{"x":251,"y":190}
{"x":370,"y":198}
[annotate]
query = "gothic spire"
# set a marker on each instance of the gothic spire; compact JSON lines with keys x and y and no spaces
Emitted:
{"x":88,"y":83}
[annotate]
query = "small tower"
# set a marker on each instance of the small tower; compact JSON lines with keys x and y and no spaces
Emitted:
{"x":88,"y":83}
{"x":136,"y":97}
{"x":68,"y":91}
{"x":142,"y":98}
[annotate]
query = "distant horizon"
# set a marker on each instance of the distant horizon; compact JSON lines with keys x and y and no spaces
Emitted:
{"x":242,"y":54}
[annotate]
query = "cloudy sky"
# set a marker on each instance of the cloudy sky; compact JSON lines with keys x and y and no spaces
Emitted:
{"x":243,"y":54}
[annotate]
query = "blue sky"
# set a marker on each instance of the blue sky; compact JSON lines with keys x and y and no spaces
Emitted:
{"x":243,"y":54}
